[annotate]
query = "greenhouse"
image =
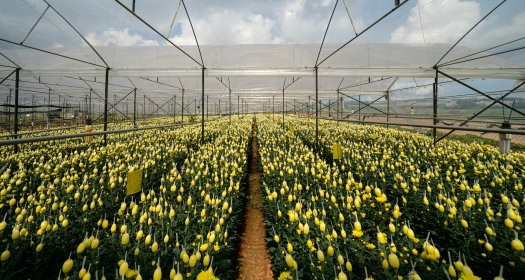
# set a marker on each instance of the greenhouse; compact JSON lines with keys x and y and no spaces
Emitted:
{"x":345,"y":139}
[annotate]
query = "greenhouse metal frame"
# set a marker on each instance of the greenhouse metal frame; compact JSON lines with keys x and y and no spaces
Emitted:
{"x":300,"y":70}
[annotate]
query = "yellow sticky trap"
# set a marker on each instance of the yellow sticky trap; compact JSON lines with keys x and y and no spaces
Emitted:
{"x":134,"y":184}
{"x":292,"y":130}
{"x":337,"y":151}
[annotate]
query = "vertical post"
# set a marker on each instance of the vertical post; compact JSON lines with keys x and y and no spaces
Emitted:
{"x":143,"y":108}
{"x":308,"y":107}
{"x":9,"y":109}
{"x":48,"y":108}
{"x":230,"y":113}
{"x":338,"y":105}
{"x":316,"y":107}
{"x":182,"y":107}
{"x":32,"y":109}
{"x":114,"y":106}
{"x":135,"y":108}
{"x":106,"y":93}
{"x":359,"y":111}
{"x":219,"y":107}
{"x":207,"y":108}
{"x":294,"y":109}
{"x":387,"y":108}
{"x":273,"y":106}
{"x":434,"y":101}
{"x":17,"y":85}
{"x":90,"y":104}
{"x":329,"y":108}
{"x":283,"y":108}
{"x":202,"y":108}
{"x":175,"y":109}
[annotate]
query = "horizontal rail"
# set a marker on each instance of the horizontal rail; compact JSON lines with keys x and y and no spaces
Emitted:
{"x":78,"y":135}
{"x":463,"y":128}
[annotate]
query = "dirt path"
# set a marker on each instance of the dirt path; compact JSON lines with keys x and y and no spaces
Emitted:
{"x":254,"y":262}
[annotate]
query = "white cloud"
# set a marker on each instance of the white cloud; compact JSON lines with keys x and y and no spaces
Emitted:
{"x":226,"y":27}
{"x":442,"y":22}
{"x":326,"y":3}
{"x":120,"y":38}
{"x":296,"y":28}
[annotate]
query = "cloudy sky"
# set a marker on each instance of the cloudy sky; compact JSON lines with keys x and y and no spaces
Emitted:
{"x":231,"y":22}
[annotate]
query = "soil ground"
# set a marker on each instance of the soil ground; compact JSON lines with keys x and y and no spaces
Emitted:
{"x":254,"y":262}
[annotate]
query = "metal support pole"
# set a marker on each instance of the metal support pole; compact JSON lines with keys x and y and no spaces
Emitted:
{"x":144,"y":108}
{"x":316,"y":107}
{"x":329,"y":108}
{"x":17,"y":85}
{"x":106,"y":93}
{"x":135,"y":108}
{"x":48,"y":108}
{"x":273,"y":106}
{"x":207,"y":108}
{"x":387,"y":108}
{"x":90,"y":104}
{"x":308,"y":107}
{"x":33,"y":109}
{"x":283,"y":108}
{"x":182,"y":107}
{"x":230,"y":113}
{"x":9,"y":109}
{"x":338,"y":105}
{"x":434,"y":102}
{"x":202,"y":108}
{"x":359,"y":116}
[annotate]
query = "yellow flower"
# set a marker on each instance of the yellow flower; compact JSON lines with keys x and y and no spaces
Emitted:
{"x":207,"y":275}
{"x":467,"y":274}
{"x":285,"y":275}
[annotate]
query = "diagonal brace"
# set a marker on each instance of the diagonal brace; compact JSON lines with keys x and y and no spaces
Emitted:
{"x":483,"y":110}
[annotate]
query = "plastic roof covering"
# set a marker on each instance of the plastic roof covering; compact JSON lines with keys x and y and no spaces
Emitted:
{"x":255,"y":71}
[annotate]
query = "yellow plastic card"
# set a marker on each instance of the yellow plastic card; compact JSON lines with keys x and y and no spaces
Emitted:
{"x":337,"y":151}
{"x":134,"y":184}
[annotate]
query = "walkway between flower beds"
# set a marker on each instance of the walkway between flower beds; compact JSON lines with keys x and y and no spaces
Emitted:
{"x":254,"y":260}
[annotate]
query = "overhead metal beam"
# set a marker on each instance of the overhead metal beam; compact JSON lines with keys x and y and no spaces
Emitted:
{"x":470,"y":30}
{"x":326,"y":32}
{"x":52,"y":53}
{"x":78,"y":33}
{"x":35,"y":24}
{"x":158,"y":33}
{"x":17,"y":86}
{"x":359,"y":34}
{"x":482,"y":51}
